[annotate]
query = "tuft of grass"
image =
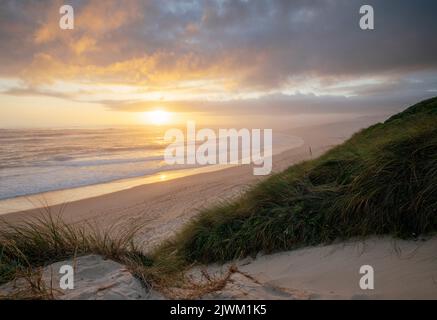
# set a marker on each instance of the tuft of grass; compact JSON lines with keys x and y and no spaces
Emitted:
{"x":30,"y":285}
{"x":381,"y":181}
{"x":27,"y":246}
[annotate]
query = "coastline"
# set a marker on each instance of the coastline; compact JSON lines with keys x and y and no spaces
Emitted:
{"x":163,"y":207}
{"x":61,"y":196}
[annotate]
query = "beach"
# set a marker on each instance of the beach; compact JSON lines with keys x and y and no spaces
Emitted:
{"x":163,"y":207}
{"x":405,"y":269}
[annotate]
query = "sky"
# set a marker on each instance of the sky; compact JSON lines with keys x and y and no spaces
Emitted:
{"x":218,"y":57}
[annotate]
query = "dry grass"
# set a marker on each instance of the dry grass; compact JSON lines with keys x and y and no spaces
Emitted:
{"x":29,"y":285}
{"x":191,"y":289}
{"x":27,"y":247}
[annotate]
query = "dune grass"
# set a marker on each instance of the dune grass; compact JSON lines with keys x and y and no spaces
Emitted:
{"x":27,"y":246}
{"x":381,"y":181}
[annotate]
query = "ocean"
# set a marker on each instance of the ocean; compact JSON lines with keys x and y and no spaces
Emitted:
{"x":41,"y":160}
{"x":34,"y":161}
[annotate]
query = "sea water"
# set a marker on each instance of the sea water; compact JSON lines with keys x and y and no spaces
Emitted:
{"x":34,"y":161}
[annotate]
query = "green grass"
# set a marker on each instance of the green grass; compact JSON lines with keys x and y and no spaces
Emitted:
{"x":381,"y":181}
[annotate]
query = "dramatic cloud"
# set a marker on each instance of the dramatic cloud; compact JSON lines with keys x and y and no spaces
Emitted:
{"x":197,"y":50}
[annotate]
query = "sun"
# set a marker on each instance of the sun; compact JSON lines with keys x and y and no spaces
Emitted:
{"x":156,"y":117}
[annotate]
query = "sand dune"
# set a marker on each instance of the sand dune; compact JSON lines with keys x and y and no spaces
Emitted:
{"x":94,"y":279}
{"x":402,"y":270}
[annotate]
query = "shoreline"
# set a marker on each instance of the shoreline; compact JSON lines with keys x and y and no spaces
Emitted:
{"x":57,"y":197}
{"x":50,"y":198}
{"x":163,"y":207}
{"x":60,"y":196}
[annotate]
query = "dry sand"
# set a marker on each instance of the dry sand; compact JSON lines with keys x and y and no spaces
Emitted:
{"x":94,"y":279}
{"x":402,"y":270}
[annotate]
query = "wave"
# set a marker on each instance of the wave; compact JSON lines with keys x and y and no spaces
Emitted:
{"x":102,"y":162}
{"x":18,"y":185}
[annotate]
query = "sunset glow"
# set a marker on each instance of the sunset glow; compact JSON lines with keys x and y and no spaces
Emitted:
{"x":127,"y":68}
{"x":156,"y":117}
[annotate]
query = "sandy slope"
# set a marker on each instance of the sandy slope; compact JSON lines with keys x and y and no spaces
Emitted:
{"x":94,"y":279}
{"x":402,"y":270}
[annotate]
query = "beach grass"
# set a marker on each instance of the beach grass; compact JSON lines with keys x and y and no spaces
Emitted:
{"x":26,"y":248}
{"x":40,"y":241}
{"x":382,"y":181}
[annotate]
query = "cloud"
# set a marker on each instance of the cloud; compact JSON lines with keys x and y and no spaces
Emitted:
{"x":221,"y":47}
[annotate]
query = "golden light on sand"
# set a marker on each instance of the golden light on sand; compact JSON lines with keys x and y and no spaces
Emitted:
{"x":156,"y":117}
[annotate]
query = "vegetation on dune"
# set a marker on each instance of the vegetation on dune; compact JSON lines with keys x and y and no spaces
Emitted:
{"x":26,"y":246}
{"x":381,"y":181}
